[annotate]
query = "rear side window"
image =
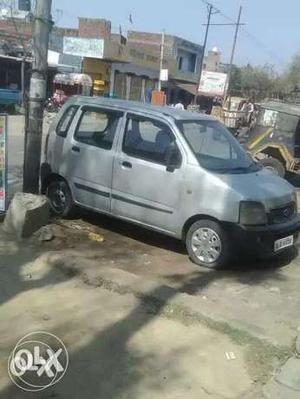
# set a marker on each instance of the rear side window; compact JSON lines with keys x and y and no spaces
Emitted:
{"x":65,"y":121}
{"x":97,"y":127}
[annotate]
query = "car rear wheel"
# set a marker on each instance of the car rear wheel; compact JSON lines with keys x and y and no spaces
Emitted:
{"x":60,"y":198}
{"x":274,"y":165}
{"x":207,"y":244}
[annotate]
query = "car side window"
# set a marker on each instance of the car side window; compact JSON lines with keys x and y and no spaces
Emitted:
{"x":97,"y":127}
{"x":66,"y":120}
{"x":147,"y":139}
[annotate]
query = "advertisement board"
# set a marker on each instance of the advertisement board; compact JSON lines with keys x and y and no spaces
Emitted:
{"x":213,"y":84}
{"x":91,"y":48}
{"x":3,"y":162}
{"x":164,"y":75}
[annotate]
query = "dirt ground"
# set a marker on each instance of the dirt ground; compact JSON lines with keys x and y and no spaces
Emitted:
{"x":138,"y":342}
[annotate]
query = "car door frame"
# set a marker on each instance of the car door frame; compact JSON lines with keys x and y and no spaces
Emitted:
{"x":73,"y":142}
{"x":119,"y":154}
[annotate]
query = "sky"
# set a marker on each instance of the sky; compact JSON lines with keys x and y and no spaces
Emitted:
{"x":271,"y":34}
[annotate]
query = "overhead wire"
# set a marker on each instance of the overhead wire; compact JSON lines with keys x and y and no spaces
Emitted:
{"x":247,"y":33}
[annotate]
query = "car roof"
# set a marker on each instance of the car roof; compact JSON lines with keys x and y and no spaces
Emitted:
{"x":287,"y":108}
{"x":134,"y":106}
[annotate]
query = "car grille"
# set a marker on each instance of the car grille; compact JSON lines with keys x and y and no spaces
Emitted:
{"x":282,"y":215}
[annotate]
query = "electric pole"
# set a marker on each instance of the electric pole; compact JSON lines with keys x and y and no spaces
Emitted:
{"x":210,"y":11}
{"x":161,"y":60}
{"x":238,"y":24}
{"x":37,"y":96}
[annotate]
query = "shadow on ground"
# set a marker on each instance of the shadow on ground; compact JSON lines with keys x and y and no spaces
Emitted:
{"x":108,"y":368}
{"x":18,"y":263}
{"x":133,"y":231}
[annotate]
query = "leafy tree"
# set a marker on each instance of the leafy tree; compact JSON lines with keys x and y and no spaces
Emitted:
{"x":235,"y":84}
{"x":292,"y":75}
{"x":255,"y":82}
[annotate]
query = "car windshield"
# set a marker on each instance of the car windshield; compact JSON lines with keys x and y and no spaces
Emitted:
{"x":215,"y":147}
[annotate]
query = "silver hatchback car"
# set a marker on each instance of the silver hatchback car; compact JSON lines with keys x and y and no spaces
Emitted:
{"x":179,"y":173}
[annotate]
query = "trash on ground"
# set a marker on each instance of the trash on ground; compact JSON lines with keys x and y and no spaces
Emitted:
{"x":96,"y":237}
{"x":45,"y":234}
{"x":230,"y":356}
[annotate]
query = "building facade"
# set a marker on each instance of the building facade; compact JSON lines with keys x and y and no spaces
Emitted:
{"x":119,"y":66}
{"x":182,"y":58}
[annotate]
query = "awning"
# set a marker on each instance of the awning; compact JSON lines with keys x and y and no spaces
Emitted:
{"x":73,"y":79}
{"x":189,"y":87}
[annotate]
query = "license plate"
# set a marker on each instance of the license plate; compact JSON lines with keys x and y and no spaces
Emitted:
{"x":283,"y":243}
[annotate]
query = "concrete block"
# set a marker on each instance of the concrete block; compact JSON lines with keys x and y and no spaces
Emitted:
{"x":26,"y":214}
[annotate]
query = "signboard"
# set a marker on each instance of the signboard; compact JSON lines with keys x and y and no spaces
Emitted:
{"x":3,"y":162}
{"x":53,"y":58}
{"x":164,"y":75}
{"x":213,"y":83}
{"x":91,"y":48}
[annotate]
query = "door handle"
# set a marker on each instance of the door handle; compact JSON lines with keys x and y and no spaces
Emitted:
{"x":127,"y":165}
{"x":75,"y":148}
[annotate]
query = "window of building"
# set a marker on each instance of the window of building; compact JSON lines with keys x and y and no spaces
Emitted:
{"x":180,"y":62}
{"x":120,"y":85}
{"x":66,"y":120}
{"x":135,"y":88}
{"x":147,"y":139}
{"x":97,"y":127}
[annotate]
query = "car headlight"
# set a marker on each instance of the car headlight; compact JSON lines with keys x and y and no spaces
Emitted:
{"x":252,"y":213}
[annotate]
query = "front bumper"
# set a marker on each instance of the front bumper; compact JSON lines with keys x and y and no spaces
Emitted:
{"x":259,"y":240}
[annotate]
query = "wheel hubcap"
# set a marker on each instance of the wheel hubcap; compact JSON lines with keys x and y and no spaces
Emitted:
{"x":206,"y":245}
{"x":57,"y":198}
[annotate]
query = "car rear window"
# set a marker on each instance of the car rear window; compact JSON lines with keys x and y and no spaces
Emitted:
{"x":66,"y":120}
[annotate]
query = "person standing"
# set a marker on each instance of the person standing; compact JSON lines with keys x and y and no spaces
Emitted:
{"x":179,"y":106}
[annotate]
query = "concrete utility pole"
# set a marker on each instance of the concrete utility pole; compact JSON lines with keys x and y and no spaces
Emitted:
{"x":210,"y":11}
{"x":238,"y":24}
{"x":161,"y":60}
{"x":37,"y":96}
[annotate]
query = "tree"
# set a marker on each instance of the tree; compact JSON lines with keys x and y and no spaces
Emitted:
{"x":255,"y":82}
{"x":292,"y":75}
{"x":235,"y":84}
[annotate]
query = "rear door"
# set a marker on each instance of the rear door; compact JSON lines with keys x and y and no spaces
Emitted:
{"x":90,"y":157}
{"x":143,"y":189}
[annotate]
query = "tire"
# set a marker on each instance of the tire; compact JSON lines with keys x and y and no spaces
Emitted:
{"x":60,"y":198}
{"x":274,"y":165}
{"x":213,"y":236}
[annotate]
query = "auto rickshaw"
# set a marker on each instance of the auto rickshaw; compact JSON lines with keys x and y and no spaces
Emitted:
{"x":274,"y":139}
{"x":231,"y":114}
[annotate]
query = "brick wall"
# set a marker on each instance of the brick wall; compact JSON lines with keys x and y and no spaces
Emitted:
{"x":151,"y":42}
{"x":65,"y":31}
{"x":9,"y":28}
{"x":94,"y":28}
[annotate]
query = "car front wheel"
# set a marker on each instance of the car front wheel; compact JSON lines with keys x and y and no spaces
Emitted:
{"x":207,"y":244}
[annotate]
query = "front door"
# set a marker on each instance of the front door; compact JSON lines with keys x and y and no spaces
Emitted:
{"x":91,"y":157}
{"x":143,"y":189}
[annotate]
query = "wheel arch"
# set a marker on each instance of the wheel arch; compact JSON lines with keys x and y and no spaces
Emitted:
{"x":194,"y":219}
{"x":49,"y":179}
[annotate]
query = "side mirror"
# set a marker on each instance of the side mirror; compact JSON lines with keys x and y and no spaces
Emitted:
{"x":173,"y":157}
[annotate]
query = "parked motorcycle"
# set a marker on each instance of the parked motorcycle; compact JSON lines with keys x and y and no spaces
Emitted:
{"x":54,"y":104}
